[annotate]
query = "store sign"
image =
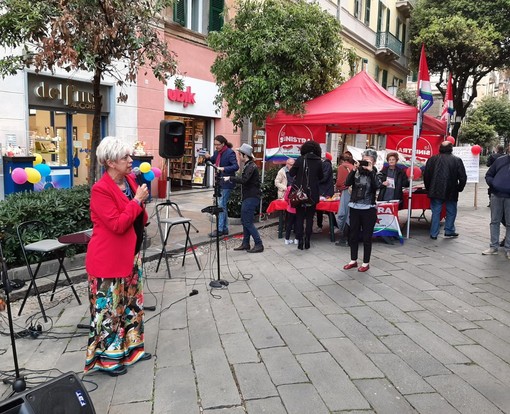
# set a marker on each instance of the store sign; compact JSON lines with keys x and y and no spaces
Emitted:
{"x":186,"y":97}
{"x":196,"y":98}
{"x":68,"y":94}
{"x":64,"y":94}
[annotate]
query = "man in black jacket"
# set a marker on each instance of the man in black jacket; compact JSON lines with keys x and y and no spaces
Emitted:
{"x":500,"y":150}
{"x":444,"y":178}
{"x":498,"y":179}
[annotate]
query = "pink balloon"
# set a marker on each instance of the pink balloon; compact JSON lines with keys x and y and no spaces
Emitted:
{"x":156,"y":171}
{"x":19,"y":175}
{"x":476,"y":149}
{"x":451,"y":139}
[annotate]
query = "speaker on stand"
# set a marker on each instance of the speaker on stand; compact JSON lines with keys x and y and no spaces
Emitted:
{"x":171,"y":145}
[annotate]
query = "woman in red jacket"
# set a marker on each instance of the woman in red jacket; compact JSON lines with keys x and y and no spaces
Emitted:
{"x":113,"y":263}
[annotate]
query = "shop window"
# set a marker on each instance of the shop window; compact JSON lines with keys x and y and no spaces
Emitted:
{"x":48,"y":136}
{"x":190,"y":169}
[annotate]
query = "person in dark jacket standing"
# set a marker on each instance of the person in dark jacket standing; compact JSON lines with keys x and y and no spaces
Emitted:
{"x":364,"y":183}
{"x":326,"y":186}
{"x":251,"y":193}
{"x":307,"y":172}
{"x":444,"y":178}
{"x":393,"y":179}
{"x":500,"y":150}
{"x":498,"y":179}
{"x":225,"y":160}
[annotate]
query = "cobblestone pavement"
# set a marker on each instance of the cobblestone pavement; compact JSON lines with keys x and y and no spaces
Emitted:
{"x":425,"y":330}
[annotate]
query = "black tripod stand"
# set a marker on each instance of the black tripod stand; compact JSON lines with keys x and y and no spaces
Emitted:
{"x":18,"y":384}
{"x":215,"y":210}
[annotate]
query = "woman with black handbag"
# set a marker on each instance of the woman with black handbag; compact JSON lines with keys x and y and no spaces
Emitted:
{"x":307,"y":172}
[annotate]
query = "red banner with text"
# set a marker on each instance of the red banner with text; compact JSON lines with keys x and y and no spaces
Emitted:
{"x":426,"y":146}
{"x":284,"y":141}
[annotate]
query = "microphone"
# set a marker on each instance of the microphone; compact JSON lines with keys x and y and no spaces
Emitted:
{"x":138,"y":175}
{"x":193,"y":292}
{"x":210,"y":164}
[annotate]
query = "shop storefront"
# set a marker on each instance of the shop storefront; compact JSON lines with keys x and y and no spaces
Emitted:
{"x":192,"y":105}
{"x":60,"y":127}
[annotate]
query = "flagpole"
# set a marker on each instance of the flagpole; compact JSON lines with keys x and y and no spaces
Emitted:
{"x":416,"y":134}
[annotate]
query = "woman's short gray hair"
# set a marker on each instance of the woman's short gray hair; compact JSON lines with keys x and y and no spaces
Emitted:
{"x":371,"y":153}
{"x":111,"y":149}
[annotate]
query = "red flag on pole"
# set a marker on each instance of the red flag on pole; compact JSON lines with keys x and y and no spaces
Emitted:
{"x":448,"y":101}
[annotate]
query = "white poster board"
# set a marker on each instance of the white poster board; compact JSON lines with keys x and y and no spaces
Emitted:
{"x":471,"y":163}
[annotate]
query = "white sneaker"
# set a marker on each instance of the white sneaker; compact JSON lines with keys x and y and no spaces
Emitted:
{"x":288,"y":241}
{"x":490,"y":250}
{"x":296,"y":241}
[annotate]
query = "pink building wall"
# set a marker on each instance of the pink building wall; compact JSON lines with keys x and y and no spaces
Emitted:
{"x":194,"y":60}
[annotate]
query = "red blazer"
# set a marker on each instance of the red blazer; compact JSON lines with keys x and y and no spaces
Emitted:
{"x":111,"y":249}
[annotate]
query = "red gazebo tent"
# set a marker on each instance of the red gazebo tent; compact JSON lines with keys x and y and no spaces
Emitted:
{"x":360,"y":106}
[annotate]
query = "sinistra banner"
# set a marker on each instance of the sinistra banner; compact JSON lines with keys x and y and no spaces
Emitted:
{"x":284,"y":141}
{"x":426,"y":147}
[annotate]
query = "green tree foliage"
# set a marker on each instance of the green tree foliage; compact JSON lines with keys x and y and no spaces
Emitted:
{"x":466,"y":38}
{"x":497,"y":111}
{"x":103,"y":37}
{"x":273,"y":55}
{"x":407,"y":96}
{"x":492,"y":114}
{"x":477,"y":130}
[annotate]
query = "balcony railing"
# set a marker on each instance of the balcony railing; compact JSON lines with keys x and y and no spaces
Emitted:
{"x":388,"y":46}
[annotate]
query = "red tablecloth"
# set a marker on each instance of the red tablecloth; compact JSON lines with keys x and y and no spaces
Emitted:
{"x":328,"y":206}
{"x":420,"y":201}
{"x":276,"y":205}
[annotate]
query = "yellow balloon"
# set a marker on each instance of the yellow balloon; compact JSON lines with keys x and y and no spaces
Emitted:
{"x":33,"y":176}
{"x":145,"y":167}
{"x":38,"y":159}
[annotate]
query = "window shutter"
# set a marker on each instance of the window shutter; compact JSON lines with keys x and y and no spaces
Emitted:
{"x":180,"y":12}
{"x":215,"y":15}
{"x":367,"y":13}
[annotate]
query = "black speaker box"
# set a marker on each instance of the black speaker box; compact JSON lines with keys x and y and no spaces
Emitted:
{"x":63,"y":395}
{"x":171,"y":139}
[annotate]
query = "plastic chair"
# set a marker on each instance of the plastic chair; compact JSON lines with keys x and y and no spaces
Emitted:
{"x":34,"y":242}
{"x":168,"y":222}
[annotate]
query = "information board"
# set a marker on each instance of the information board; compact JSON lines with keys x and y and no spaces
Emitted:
{"x":471,"y":163}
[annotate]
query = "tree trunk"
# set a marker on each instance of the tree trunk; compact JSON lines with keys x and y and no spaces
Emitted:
{"x":96,"y":127}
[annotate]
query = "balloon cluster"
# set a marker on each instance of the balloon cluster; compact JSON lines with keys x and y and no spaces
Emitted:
{"x":32,"y":175}
{"x":149,"y":173}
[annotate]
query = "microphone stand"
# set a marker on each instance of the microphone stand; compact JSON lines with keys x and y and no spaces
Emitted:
{"x":18,"y":384}
{"x":216,"y":210}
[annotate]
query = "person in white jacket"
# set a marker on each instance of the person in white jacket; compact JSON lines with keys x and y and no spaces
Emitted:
{"x":282,"y":177}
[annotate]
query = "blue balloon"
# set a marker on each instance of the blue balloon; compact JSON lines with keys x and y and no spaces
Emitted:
{"x":76,"y":162}
{"x":149,"y":176}
{"x":43,"y":169}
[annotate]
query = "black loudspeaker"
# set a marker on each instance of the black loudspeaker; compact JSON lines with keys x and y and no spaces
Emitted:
{"x":63,"y":395}
{"x":171,"y":139}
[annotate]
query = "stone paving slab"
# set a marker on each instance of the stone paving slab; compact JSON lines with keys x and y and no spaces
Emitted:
{"x":425,"y":330}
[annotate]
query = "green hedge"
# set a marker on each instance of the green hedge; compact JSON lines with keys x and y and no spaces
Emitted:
{"x":63,"y":210}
